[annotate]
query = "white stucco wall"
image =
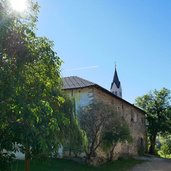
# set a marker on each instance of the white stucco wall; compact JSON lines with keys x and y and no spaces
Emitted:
{"x":82,"y":97}
{"x":117,"y":91}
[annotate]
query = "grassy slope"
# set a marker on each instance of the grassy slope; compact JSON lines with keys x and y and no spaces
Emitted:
{"x":66,"y":165}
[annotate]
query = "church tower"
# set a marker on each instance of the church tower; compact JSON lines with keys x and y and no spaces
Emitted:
{"x":116,"y":85}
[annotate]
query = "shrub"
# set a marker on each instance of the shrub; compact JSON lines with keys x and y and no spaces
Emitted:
{"x":6,"y":161}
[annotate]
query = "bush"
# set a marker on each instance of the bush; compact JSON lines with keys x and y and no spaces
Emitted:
{"x":166,"y":147}
{"x":6,"y":161}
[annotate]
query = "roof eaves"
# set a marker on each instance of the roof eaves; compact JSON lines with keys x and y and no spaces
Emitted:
{"x":110,"y":93}
{"x":81,"y":87}
{"x":105,"y":90}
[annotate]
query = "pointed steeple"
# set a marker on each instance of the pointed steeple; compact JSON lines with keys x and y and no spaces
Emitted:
{"x":116,"y":85}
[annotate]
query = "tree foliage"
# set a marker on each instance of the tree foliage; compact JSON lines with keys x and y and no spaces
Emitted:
{"x":158,"y":114}
{"x":31,"y":98}
{"x":166,"y":146}
{"x":103,"y":128}
{"x":75,"y":139}
{"x":116,"y":132}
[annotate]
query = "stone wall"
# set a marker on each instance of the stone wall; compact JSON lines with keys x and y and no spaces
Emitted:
{"x":134,"y":117}
{"x":82,"y":97}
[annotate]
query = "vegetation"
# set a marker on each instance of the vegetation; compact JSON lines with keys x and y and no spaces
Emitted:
{"x":163,"y":146}
{"x":31,"y":100}
{"x":103,"y":128}
{"x":5,"y":161}
{"x":166,"y":148}
{"x":158,"y":114}
{"x":75,"y":139}
{"x":66,"y":165}
{"x":118,"y":133}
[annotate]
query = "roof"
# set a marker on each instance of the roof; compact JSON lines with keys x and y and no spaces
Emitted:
{"x":115,"y":79}
{"x":74,"y":82}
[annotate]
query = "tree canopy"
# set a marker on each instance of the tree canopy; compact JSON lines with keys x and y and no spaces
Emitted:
{"x":103,"y":128}
{"x":157,"y":105}
{"x":31,"y":99}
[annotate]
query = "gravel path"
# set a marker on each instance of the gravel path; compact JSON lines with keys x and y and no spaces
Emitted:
{"x":153,"y":164}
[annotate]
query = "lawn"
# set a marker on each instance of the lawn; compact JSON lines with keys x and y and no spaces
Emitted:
{"x":68,"y":165}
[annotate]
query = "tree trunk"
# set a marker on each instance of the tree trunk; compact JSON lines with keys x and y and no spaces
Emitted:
{"x":152,"y":144}
{"x":89,"y":155}
{"x":27,"y":159}
{"x":111,"y":152}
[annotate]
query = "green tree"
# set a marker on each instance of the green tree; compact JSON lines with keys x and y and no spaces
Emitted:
{"x":103,"y":127}
{"x":75,"y":139}
{"x":115,"y":132}
{"x":156,"y":104}
{"x":31,"y":98}
{"x":166,"y":147}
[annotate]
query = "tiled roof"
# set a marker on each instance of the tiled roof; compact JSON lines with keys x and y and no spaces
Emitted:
{"x":74,"y":82}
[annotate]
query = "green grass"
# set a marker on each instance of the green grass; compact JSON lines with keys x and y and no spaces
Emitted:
{"x":68,"y":165}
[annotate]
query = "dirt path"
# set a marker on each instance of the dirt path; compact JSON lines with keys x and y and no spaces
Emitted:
{"x":153,"y":164}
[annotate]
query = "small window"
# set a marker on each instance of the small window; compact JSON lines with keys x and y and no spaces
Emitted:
{"x":135,"y":117}
{"x":132,"y":118}
{"x":116,"y":93}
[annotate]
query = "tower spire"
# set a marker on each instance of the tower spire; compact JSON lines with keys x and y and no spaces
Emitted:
{"x":116,"y":85}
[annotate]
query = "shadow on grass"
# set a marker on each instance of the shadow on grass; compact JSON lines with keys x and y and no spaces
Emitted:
{"x":68,"y":165}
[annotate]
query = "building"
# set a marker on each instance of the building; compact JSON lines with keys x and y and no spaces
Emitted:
{"x":116,"y":85}
{"x":85,"y":92}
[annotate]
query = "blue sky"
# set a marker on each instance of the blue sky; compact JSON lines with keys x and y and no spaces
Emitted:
{"x":91,"y":35}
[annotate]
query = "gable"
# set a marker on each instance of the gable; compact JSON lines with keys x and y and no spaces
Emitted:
{"x":74,"y":82}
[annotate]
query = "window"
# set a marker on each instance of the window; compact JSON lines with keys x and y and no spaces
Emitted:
{"x":134,"y":117}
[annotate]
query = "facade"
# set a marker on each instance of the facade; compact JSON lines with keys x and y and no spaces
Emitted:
{"x":85,"y":92}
